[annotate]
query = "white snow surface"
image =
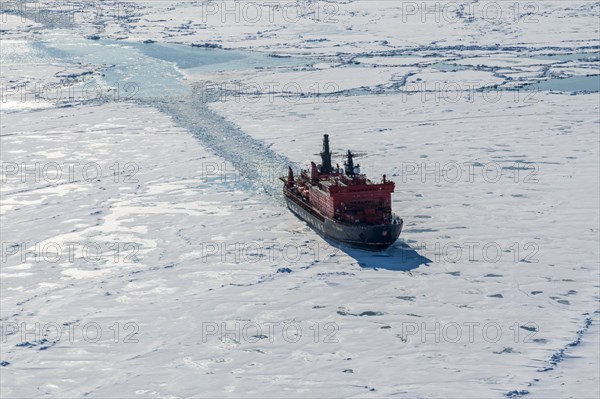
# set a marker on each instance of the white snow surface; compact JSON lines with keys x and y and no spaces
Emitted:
{"x":172,"y":271}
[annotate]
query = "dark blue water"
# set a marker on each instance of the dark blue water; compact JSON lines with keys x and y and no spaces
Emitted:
{"x":571,"y":84}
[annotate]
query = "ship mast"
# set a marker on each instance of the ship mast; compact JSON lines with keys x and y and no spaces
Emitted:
{"x":326,"y":156}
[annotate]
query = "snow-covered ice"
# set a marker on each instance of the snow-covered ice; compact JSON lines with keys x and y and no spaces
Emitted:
{"x":146,"y":250}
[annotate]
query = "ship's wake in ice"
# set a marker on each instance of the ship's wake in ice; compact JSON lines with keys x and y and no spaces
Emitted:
{"x":253,"y":164}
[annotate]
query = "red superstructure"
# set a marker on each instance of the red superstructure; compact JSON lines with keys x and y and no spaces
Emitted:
{"x":347,"y":198}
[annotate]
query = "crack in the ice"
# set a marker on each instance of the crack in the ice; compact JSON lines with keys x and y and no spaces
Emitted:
{"x":557,"y":356}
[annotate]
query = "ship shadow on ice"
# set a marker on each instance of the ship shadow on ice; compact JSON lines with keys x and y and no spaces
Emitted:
{"x":399,"y":257}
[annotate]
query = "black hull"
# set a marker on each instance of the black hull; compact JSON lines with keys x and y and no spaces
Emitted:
{"x":370,"y":237}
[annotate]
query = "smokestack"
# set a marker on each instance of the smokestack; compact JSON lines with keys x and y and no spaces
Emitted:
{"x":326,"y":156}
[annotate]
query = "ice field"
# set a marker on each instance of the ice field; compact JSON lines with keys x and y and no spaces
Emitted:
{"x":146,"y":248}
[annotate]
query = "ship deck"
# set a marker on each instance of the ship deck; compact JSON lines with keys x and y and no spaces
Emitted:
{"x":331,"y":181}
